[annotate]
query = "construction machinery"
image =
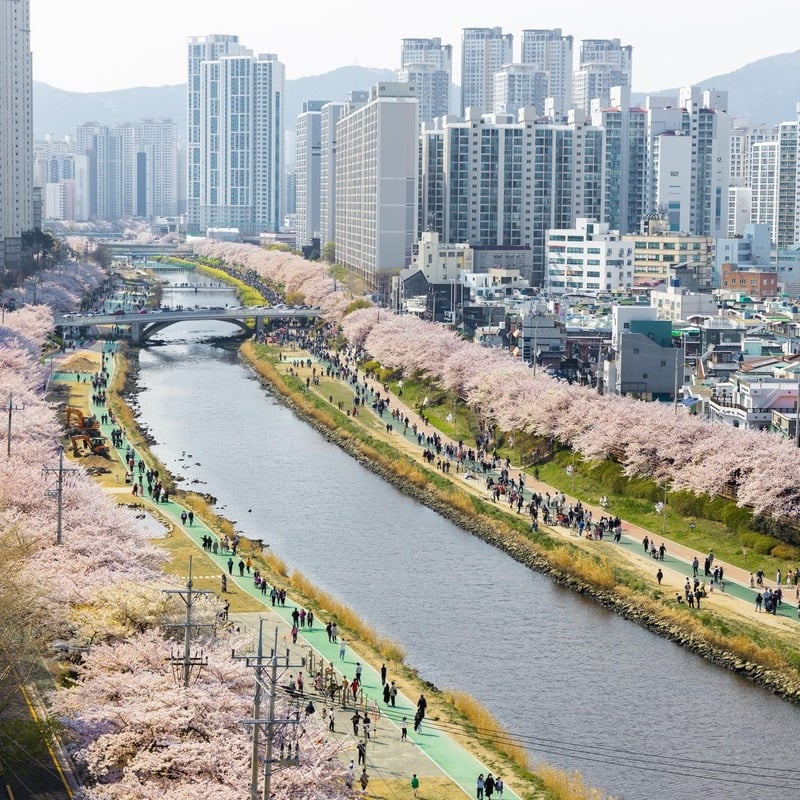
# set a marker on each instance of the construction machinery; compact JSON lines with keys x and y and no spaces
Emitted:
{"x":77,"y":420}
{"x":83,"y":444}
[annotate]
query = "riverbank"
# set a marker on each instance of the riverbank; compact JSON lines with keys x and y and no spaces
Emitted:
{"x":765,"y":653}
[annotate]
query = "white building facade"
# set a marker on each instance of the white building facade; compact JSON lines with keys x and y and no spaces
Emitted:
{"x":16,"y":130}
{"x":484,"y":51}
{"x":588,"y":259}
{"x":235,"y":137}
{"x":308,"y":163}
{"x":551,"y":52}
{"x":376,"y":183}
{"x":428,"y":64}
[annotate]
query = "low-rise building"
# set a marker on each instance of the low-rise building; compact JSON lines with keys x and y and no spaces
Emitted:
{"x":752,"y":281}
{"x":589,"y":258}
{"x":759,"y":390}
{"x":658,"y":251}
{"x":675,"y":302}
{"x":642,"y":361}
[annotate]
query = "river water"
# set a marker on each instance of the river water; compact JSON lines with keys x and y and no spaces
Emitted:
{"x":582,"y":688}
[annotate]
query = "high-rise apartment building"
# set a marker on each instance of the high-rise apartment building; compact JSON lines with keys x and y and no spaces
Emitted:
{"x":602,"y":64}
{"x":428,"y":64}
{"x":308,"y":164}
{"x":497,"y":180}
{"x":626,"y":167}
{"x":16,"y":130}
{"x":234,"y":137}
{"x":376,"y":183}
{"x":330,"y":115}
{"x":551,"y":52}
{"x":484,"y":51}
{"x":103,"y":148}
{"x":519,"y":86}
{"x":149,"y":168}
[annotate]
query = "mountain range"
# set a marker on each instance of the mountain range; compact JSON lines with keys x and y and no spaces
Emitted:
{"x":766,"y":91}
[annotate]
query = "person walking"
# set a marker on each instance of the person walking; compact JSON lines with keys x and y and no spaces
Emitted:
{"x":386,"y":693}
{"x":498,"y":787}
{"x":404,"y":729}
{"x":364,"y":779}
{"x":383,"y":674}
{"x":362,"y":753}
{"x":659,"y":576}
{"x":356,"y":719}
{"x":392,"y":694}
{"x":479,"y":784}
{"x":488,"y":786}
{"x":342,"y":648}
{"x":230,"y":566}
{"x":415,"y":785}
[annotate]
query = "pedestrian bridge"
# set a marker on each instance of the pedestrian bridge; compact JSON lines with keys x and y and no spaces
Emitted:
{"x":144,"y":324}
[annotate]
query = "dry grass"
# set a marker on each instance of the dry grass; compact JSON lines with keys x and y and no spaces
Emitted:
{"x":204,"y":510}
{"x":276,"y":564}
{"x":592,"y":569}
{"x":487,"y":727}
{"x":567,"y":786}
{"x":346,"y":618}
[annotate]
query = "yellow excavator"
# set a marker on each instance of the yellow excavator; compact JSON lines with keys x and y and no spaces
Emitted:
{"x":83,"y":444}
{"x":84,"y":433}
{"x":77,"y":420}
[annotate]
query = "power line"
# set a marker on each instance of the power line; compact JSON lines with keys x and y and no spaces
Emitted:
{"x":668,"y":765}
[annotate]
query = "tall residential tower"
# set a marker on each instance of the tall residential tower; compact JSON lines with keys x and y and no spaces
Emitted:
{"x":16,"y":130}
{"x":234,"y":137}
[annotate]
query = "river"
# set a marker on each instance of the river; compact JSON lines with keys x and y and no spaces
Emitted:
{"x":582,"y":688}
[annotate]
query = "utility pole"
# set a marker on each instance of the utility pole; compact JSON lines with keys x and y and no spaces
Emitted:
{"x":11,"y":408}
{"x":267,"y":678}
{"x":184,"y":663}
{"x":58,"y":492}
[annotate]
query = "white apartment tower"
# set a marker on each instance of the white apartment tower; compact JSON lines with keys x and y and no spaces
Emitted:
{"x":16,"y":130}
{"x":149,"y":168}
{"x":376,"y":183}
{"x":519,"y":86}
{"x":329,"y":118}
{"x":308,"y":162}
{"x":551,"y":52}
{"x":602,"y":64}
{"x":428,"y":64}
{"x":235,"y":137}
{"x":200,"y":50}
{"x":484,"y":51}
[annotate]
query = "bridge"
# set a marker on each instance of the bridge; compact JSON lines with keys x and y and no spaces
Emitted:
{"x":144,"y":324}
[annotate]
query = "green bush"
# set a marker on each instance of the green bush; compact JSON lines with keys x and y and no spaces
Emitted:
{"x":686,"y":504}
{"x":758,"y":542}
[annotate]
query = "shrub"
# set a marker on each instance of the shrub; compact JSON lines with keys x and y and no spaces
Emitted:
{"x":786,"y":552}
{"x":687,"y":504}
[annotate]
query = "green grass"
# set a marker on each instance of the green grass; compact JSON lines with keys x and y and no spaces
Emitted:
{"x":738,"y":548}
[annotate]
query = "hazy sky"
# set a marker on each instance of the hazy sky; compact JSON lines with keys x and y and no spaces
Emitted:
{"x":99,"y":45}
